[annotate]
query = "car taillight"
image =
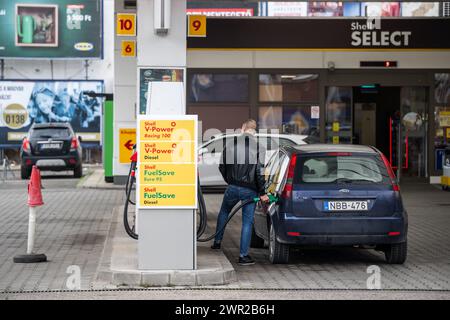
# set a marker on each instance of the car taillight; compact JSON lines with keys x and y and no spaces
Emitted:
{"x":391,"y":173}
{"x":74,"y":143}
{"x":287,"y":191}
{"x":26,"y":145}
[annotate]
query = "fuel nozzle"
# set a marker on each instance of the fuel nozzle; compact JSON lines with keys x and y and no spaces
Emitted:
{"x":272,"y":198}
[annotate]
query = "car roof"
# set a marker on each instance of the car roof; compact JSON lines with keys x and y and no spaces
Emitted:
{"x":293,"y":137}
{"x":322,"y":147}
{"x":52,"y":125}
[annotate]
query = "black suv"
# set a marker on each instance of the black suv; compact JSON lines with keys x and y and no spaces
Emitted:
{"x":51,"y":146}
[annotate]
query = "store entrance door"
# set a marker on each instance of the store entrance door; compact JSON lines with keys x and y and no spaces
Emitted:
{"x":373,"y":108}
{"x":374,"y":114}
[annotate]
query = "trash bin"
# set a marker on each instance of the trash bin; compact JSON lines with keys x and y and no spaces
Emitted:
{"x":445,"y":179}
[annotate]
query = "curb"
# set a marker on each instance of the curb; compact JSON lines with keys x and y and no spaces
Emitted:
{"x":221,"y":273}
{"x":95,"y":179}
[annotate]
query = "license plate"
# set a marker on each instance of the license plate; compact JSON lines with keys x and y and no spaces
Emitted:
{"x":51,"y":146}
{"x":345,"y":205}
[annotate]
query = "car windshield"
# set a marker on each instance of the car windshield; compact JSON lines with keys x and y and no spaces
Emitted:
{"x":50,"y":133}
{"x":341,"y":169}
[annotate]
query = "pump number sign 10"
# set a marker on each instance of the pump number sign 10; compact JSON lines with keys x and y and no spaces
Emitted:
{"x":167,"y":164}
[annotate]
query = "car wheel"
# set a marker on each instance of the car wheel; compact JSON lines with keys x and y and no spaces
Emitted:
{"x":78,"y":171}
{"x":256,"y":241}
{"x":25,"y":172}
{"x":278,"y":252}
{"x":396,"y":253}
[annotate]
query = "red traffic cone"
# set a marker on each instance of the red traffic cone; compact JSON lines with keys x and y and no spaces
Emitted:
{"x":34,"y":188}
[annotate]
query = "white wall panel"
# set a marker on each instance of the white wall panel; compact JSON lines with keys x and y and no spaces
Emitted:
{"x":159,"y":50}
{"x":219,"y":59}
{"x":313,"y":59}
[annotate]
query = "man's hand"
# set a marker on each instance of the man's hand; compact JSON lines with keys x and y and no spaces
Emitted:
{"x":264,"y":198}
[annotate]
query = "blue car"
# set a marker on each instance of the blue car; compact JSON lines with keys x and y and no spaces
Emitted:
{"x":331,"y":195}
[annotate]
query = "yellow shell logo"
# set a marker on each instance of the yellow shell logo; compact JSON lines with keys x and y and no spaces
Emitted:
{"x":84,"y":46}
{"x":15,"y":116}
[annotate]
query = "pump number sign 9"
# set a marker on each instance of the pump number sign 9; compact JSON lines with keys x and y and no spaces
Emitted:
{"x":167,"y":164}
{"x":197,"y":26}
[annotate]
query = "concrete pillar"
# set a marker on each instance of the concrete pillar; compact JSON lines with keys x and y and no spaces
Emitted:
{"x":124,"y":94}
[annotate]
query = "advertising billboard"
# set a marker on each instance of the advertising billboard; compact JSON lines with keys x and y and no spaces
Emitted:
{"x":51,"y":29}
{"x":420,"y":9}
{"x":287,"y":9}
{"x":23,"y":103}
{"x":325,"y":9}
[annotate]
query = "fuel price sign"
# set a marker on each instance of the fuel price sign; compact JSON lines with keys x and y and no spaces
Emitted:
{"x":167,"y":164}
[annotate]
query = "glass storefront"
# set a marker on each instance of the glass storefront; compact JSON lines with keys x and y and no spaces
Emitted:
{"x":371,"y":115}
{"x":290,"y":119}
{"x":338,"y":110}
{"x":216,"y":87}
{"x":305,"y":103}
{"x":414,"y":110}
{"x":442,"y":88}
{"x":288,"y":103}
{"x":441,"y":117}
{"x":288,"y":87}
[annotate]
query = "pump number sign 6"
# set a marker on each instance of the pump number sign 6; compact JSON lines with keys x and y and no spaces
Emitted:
{"x":197,"y":26}
{"x":167,"y":164}
{"x":128,"y":48}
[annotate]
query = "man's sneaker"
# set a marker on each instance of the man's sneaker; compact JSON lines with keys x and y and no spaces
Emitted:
{"x":215,"y":246}
{"x":246,"y":261}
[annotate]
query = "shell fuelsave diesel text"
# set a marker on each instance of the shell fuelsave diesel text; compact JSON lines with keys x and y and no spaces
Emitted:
{"x":151,"y":193}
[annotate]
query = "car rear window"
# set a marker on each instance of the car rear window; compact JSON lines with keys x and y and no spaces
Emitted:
{"x":331,"y":169}
{"x":53,"y":133}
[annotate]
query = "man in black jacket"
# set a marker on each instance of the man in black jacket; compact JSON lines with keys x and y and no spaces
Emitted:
{"x":242,"y":169}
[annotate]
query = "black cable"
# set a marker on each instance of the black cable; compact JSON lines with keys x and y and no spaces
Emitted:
{"x":130,"y":231}
{"x":230,"y":216}
{"x":128,"y":185}
{"x":201,"y":210}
